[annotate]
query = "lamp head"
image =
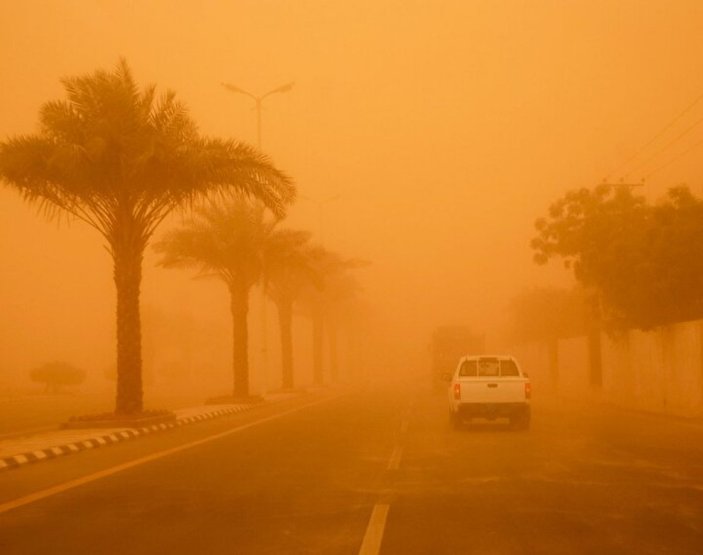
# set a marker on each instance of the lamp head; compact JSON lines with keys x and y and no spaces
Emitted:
{"x":233,"y":88}
{"x":283,"y":88}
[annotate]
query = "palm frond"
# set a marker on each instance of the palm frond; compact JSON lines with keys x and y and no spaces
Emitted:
{"x":110,"y":148}
{"x":225,"y":239}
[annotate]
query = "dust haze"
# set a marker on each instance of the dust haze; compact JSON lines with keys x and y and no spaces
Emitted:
{"x":423,"y":137}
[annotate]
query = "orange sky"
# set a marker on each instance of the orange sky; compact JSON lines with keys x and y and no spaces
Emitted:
{"x":445,"y":128}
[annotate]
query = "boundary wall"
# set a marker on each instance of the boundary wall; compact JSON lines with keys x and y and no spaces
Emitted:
{"x":657,"y":371}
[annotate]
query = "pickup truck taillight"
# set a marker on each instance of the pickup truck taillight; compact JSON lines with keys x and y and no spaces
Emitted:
{"x":457,"y":391}
{"x":528,"y":390}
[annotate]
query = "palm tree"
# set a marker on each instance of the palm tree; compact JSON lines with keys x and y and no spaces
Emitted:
{"x":289,"y":267}
{"x":340,"y":293}
{"x":321,"y":303}
{"x":121,"y":160}
{"x":225,"y":240}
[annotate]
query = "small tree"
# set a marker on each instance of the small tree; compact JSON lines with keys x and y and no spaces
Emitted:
{"x":545,"y":315}
{"x":56,"y":375}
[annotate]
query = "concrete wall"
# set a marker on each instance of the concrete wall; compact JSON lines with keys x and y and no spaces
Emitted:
{"x":533,"y":359}
{"x":573,"y":366}
{"x":659,"y":370}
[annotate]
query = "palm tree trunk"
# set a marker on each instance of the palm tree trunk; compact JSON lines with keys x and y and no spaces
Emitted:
{"x":553,"y":350}
{"x":285,"y":322}
{"x":594,"y":343}
{"x":239,"y":303}
{"x":334,"y":359}
{"x":127,"y":258}
{"x":317,"y":338}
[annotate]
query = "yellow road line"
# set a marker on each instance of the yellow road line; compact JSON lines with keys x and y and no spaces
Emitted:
{"x":48,"y":492}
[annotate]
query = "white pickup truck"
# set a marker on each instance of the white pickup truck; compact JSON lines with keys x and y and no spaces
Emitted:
{"x":490,"y":387}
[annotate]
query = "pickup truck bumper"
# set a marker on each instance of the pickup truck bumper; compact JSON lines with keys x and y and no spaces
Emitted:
{"x":493,"y":410}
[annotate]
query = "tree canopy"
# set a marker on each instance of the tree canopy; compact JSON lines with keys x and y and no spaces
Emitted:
{"x":111,"y":148}
{"x":644,"y":261}
{"x":548,"y":313}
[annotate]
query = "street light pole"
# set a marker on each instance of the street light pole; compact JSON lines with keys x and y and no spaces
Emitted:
{"x":258,"y":106}
{"x":258,"y":100}
{"x":258,"y":123}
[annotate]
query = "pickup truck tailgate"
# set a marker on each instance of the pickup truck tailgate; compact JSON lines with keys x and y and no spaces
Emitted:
{"x":492,"y":390}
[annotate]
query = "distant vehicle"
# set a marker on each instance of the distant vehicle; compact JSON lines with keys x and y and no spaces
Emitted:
{"x":447,"y":345}
{"x":489,"y":387}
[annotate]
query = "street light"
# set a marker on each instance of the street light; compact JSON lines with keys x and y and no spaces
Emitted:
{"x":258,"y":100}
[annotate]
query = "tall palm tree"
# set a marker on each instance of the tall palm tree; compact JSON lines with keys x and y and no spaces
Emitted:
{"x":120,"y":159}
{"x":340,"y":292}
{"x":225,"y":240}
{"x":321,"y":302}
{"x":289,"y":266}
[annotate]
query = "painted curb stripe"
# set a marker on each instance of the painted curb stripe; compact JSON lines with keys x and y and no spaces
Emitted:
{"x":15,"y":461}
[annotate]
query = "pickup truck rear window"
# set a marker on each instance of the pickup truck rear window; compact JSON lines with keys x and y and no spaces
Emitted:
{"x":488,"y":367}
{"x":508,"y":368}
{"x":468,"y":368}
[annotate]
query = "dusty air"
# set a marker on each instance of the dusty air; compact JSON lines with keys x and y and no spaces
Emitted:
{"x":371,"y":277}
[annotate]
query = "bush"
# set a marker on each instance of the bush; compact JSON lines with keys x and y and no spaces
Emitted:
{"x":56,"y":375}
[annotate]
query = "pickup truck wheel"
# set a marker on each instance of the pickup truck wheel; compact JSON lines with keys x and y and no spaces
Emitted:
{"x":454,"y":420}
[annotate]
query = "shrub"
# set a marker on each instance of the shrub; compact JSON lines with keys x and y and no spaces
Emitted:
{"x":57,"y":374}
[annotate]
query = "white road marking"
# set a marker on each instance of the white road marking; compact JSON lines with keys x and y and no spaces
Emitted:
{"x":394,"y":463}
{"x":374,"y":531}
{"x":377,"y":523}
{"x":43,"y":494}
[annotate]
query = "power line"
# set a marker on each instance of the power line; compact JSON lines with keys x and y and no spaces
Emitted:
{"x":667,"y":146}
{"x":674,"y":159}
{"x":656,"y":136}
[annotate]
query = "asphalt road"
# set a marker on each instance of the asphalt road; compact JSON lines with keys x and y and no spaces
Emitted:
{"x":367,"y":471}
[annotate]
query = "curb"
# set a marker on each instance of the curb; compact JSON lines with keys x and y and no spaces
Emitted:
{"x":15,"y":461}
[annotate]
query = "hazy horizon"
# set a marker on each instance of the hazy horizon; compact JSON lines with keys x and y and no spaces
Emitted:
{"x":434,"y":134}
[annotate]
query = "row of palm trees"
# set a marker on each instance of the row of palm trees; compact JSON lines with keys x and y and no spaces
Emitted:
{"x":121,"y":159}
{"x":239,"y":243}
